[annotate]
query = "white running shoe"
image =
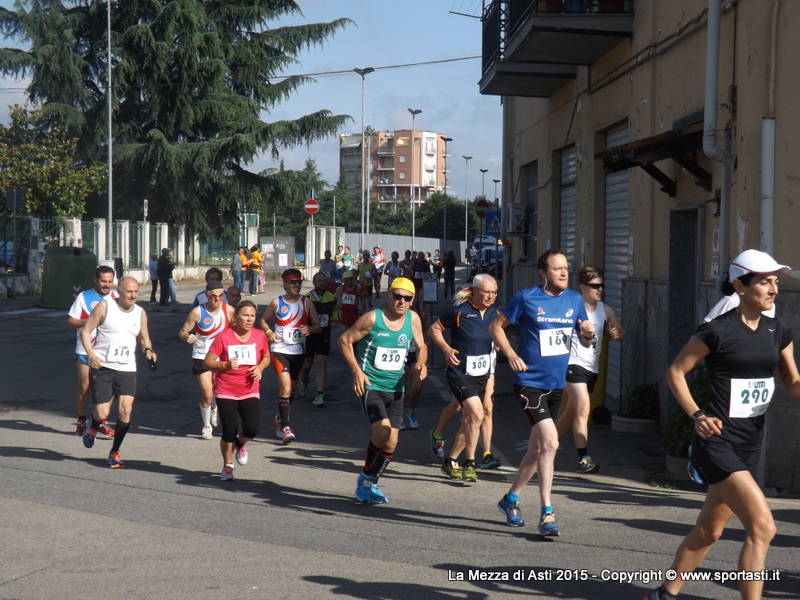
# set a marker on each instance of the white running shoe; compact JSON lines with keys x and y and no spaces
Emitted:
{"x":241,"y":456}
{"x":227,"y":473}
{"x":214,"y":416}
{"x":207,"y":433}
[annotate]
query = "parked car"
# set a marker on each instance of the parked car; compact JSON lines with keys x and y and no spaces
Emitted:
{"x":490,"y":260}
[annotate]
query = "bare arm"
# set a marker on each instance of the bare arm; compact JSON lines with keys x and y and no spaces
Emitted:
{"x":213,"y":363}
{"x":437,"y":335}
{"x":357,"y":332}
{"x":91,"y":323}
{"x":788,"y":371}
{"x":144,"y":340}
{"x":497,"y":331}
{"x":615,"y":329}
{"x":185,"y":332}
{"x":692,"y":353}
{"x":268,"y":315}
{"x":421,"y":366}
{"x":74,"y":323}
{"x":313,"y":319}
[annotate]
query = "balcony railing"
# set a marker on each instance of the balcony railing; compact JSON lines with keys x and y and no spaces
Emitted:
{"x":386,"y":149}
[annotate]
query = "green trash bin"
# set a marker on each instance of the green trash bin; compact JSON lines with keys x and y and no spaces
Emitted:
{"x":67,"y":272}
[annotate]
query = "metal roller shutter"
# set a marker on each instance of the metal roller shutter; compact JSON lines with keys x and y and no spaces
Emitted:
{"x":567,"y":217}
{"x":618,"y":259}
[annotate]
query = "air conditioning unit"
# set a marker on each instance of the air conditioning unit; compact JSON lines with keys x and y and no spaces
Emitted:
{"x":517,"y":223}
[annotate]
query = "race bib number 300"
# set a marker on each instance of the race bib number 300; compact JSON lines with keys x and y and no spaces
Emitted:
{"x":750,"y":397}
{"x":245,"y":353}
{"x":478,"y":365}
{"x":553,"y":342}
{"x":390,"y":359}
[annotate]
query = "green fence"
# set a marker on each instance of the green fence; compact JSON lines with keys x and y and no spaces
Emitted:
{"x":218,"y":251}
{"x":87,"y":236}
{"x":52,"y":233}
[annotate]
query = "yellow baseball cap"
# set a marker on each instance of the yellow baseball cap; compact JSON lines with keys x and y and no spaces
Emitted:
{"x":403,"y":283}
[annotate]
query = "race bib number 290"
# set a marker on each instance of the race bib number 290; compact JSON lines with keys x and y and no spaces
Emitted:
{"x":750,"y":397}
{"x":553,"y":342}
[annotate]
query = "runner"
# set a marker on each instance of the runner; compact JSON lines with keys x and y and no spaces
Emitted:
{"x":379,"y":260}
{"x":584,"y":365}
{"x":347,"y":297}
{"x":413,"y":382}
{"x":239,"y":356}
{"x":119,"y":323}
{"x":547,"y":316}
{"x":366,"y":275}
{"x":468,"y":358}
{"x":234,"y":295}
{"x":741,"y":349}
{"x":213,"y":274}
{"x":318,"y":345}
{"x":407,"y":264}
{"x":81,"y":308}
{"x":393,"y":268}
{"x":202,"y":325}
{"x":295,"y":318}
{"x":382,"y":337}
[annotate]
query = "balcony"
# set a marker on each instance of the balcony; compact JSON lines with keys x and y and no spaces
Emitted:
{"x":385,"y":168}
{"x":533,"y":47}
{"x":385,"y":149}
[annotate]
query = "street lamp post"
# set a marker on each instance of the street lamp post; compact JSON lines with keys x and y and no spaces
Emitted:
{"x":444,"y":223}
{"x":110,"y":226}
{"x":362,"y":72}
{"x":466,"y":202}
{"x":483,"y":181}
{"x":496,"y":199}
{"x":414,"y":112}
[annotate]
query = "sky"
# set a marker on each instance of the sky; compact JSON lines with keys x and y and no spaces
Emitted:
{"x":384,"y":33}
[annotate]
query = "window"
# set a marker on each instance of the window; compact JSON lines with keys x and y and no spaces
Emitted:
{"x":402,"y":158}
{"x":401,"y":141}
{"x":402,"y":174}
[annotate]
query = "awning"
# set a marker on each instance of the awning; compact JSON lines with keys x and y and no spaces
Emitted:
{"x":680,"y":144}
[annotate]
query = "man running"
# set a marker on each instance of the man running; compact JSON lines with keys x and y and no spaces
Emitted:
{"x":378,"y":375}
{"x":80,"y":310}
{"x":348,"y":299}
{"x":547,"y":316}
{"x":295,"y":319}
{"x":469,"y":362}
{"x":214,"y":275}
{"x":202,"y":325}
{"x":318,"y":345}
{"x":584,"y":365}
{"x":120,"y":323}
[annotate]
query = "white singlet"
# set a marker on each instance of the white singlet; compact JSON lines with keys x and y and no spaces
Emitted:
{"x":116,"y":337}
{"x":589,"y":357}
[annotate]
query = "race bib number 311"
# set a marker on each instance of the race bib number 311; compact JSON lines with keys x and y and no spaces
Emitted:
{"x":119,"y":354}
{"x":245,"y":353}
{"x":554,"y":342}
{"x":750,"y":397}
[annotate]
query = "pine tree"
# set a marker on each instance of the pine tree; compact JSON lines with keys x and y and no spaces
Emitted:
{"x":191,"y":81}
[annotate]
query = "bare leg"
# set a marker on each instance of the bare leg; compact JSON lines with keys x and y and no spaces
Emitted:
{"x":488,"y":410}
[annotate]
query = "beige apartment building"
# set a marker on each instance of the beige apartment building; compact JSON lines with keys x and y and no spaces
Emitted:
{"x":396,"y":168}
{"x":605,"y":117}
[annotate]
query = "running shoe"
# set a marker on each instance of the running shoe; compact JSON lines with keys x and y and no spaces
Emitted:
{"x":287,"y":435}
{"x":214,"y":416}
{"x":437,"y":444}
{"x":105,"y":430}
{"x":227,"y":473}
{"x":368,"y":492}
{"x":207,"y":433}
{"x":403,"y":424}
{"x":694,"y":474}
{"x":319,"y":399}
{"x":547,"y":525}
{"x":412,"y":421}
{"x":278,"y":429}
{"x":469,"y":473}
{"x":88,"y":437}
{"x":587,"y":465}
{"x":114,"y":461}
{"x":80,"y":426}
{"x":452,"y":469}
{"x":511,"y":511}
{"x":241,"y":455}
{"x":489,"y":461}
{"x":302,"y":386}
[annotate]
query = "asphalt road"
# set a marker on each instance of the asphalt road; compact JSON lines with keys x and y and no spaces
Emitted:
{"x":286,"y":527}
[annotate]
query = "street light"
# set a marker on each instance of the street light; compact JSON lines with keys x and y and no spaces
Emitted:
{"x":466,"y":202}
{"x":444,"y":224}
{"x":110,"y":227}
{"x":414,"y":112}
{"x":496,"y":199}
{"x":363,"y":72}
{"x":483,"y":181}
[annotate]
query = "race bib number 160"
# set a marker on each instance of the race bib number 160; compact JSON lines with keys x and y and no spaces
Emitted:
{"x":553,"y":342}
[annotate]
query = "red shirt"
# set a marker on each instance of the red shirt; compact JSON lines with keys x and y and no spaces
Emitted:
{"x":237,"y":383}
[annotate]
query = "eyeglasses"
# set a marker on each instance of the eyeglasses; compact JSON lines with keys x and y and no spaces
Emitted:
{"x":294,"y":281}
{"x":400,"y":297}
{"x":594,"y":286}
{"x":215,"y":296}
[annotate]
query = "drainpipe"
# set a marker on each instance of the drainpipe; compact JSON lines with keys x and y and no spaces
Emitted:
{"x":768,"y":148}
{"x":720,"y":154}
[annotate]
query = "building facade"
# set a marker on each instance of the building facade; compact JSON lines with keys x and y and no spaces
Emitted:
{"x":398,"y":170}
{"x":605,"y":116}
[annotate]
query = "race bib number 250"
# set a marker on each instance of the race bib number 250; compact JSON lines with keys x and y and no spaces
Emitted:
{"x":390,"y":359}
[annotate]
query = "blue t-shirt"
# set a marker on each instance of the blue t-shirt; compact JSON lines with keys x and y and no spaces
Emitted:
{"x":546,"y":325}
{"x":469,"y":334}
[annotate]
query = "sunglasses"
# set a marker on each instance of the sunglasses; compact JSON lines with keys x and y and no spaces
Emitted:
{"x":215,"y":296}
{"x":294,"y":281}
{"x":400,"y":297}
{"x":594,"y":286}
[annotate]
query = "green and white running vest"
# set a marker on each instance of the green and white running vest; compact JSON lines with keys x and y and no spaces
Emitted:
{"x":382,"y":354}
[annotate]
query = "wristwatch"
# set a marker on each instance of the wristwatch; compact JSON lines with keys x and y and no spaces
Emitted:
{"x":700,"y":413}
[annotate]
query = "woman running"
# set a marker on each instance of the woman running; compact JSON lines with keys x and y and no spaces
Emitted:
{"x":239,"y":356}
{"x":741,"y":349}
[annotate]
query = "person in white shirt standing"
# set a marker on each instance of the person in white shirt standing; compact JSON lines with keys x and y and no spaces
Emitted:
{"x":584,"y":365}
{"x":120,"y":324}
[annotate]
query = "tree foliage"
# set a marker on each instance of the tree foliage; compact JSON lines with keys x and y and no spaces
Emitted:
{"x":191,"y":82}
{"x":38,"y":156}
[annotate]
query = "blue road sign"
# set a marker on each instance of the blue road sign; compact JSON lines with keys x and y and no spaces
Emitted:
{"x":493,"y":222}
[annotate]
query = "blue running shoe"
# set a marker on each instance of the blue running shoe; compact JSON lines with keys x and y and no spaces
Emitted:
{"x":547,"y":526}
{"x":511,"y":511}
{"x":694,"y":475}
{"x":368,"y":492}
{"x":88,"y":437}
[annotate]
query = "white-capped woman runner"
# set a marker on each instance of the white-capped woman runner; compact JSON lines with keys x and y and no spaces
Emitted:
{"x":741,"y":349}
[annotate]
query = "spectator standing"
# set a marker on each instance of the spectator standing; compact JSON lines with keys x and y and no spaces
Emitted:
{"x":237,"y":268}
{"x":379,"y":260}
{"x":254,"y":270}
{"x":449,"y":267}
{"x":153,"y":277}
{"x":164,"y":270}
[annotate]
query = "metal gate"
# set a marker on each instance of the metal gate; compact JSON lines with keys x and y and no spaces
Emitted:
{"x":618,"y":259}
{"x":567,"y":217}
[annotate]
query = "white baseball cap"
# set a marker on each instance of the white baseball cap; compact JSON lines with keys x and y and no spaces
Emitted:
{"x":754,"y":261}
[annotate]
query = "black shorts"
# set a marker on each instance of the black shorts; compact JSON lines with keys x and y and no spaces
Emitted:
{"x":715,"y":459}
{"x":577,"y":374}
{"x":318,"y":343}
{"x":380,"y":405}
{"x":467,"y":387}
{"x":292,"y":363}
{"x":199,"y":367}
{"x":107,"y":383}
{"x":538,"y":404}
